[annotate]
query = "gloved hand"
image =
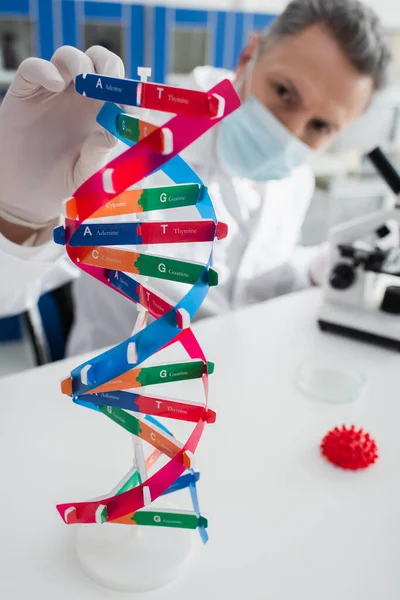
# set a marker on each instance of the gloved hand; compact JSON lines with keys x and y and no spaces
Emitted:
{"x":49,"y":139}
{"x":319,"y":264}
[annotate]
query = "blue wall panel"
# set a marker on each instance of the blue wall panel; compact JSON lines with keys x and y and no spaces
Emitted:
{"x":247,"y":28}
{"x":14,"y":7}
{"x":194,"y":17}
{"x":261,"y":21}
{"x":103,"y":11}
{"x":45,"y":29}
{"x":231,"y":29}
{"x":136,"y":40}
{"x":238,"y":45}
{"x":229,"y":41}
{"x":219,"y":42}
{"x":69,"y":24}
{"x":160,"y":39}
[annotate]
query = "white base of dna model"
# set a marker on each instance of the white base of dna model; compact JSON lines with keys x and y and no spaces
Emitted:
{"x":134,"y":558}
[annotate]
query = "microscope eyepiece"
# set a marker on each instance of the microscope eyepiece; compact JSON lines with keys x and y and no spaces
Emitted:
{"x":385,"y":169}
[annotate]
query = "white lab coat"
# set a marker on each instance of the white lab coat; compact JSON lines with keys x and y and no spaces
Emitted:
{"x":258,"y":260}
{"x":26,"y":273}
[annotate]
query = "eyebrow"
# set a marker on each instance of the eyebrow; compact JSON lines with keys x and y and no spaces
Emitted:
{"x":294,"y":90}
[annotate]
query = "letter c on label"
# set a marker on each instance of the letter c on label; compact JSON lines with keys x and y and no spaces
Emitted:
{"x":95,"y":254}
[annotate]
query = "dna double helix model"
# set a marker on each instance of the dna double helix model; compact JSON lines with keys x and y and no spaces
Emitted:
{"x":108,"y":383}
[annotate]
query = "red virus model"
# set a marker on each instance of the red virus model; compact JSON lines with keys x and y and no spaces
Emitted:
{"x":349,"y":448}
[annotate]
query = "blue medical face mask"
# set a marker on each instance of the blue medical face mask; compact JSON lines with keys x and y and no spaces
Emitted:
{"x":252,"y":143}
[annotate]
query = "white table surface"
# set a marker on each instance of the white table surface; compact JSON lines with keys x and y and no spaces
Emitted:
{"x":284,"y":524}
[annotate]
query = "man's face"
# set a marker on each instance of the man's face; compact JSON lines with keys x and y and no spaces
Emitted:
{"x":307,"y":82}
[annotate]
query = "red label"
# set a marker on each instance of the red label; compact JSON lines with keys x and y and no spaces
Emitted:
{"x":175,"y":100}
{"x":153,"y":303}
{"x":176,"y":232}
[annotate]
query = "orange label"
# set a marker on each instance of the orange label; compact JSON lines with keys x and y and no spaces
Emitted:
{"x":108,"y":258}
{"x":124,"y":204}
{"x":158,"y":440}
{"x":124,"y":382}
{"x":145,"y":129}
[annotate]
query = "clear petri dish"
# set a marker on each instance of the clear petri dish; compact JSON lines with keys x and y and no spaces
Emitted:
{"x":327,"y":380}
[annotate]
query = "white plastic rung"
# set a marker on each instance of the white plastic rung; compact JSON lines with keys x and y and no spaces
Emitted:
{"x":84,"y":374}
{"x":146,"y":495}
{"x":141,"y":464}
{"x":108,"y":182}
{"x":221,"y":106}
{"x":132,"y":355}
{"x":144,"y":73}
{"x":99,"y":514}
{"x":184,"y":317}
{"x":168,"y":141}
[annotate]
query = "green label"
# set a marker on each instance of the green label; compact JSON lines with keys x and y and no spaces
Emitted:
{"x":128,"y":127}
{"x":168,"y":268}
{"x":173,"y":372}
{"x":127,"y":421}
{"x":167,"y":519}
{"x":174,"y":196}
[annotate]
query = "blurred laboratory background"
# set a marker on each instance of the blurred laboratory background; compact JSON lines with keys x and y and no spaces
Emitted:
{"x":172,"y":37}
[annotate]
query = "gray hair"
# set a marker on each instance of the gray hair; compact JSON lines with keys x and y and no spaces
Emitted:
{"x":355,"y":27}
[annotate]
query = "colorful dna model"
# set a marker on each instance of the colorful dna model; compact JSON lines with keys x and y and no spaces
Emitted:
{"x":109,"y":382}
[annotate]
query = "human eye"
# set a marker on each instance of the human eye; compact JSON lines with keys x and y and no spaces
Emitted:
{"x":321,"y":127}
{"x":282,"y":91}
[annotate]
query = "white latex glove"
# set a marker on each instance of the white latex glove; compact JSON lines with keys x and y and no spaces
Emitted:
{"x":49,"y":139}
{"x":319,"y":265}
